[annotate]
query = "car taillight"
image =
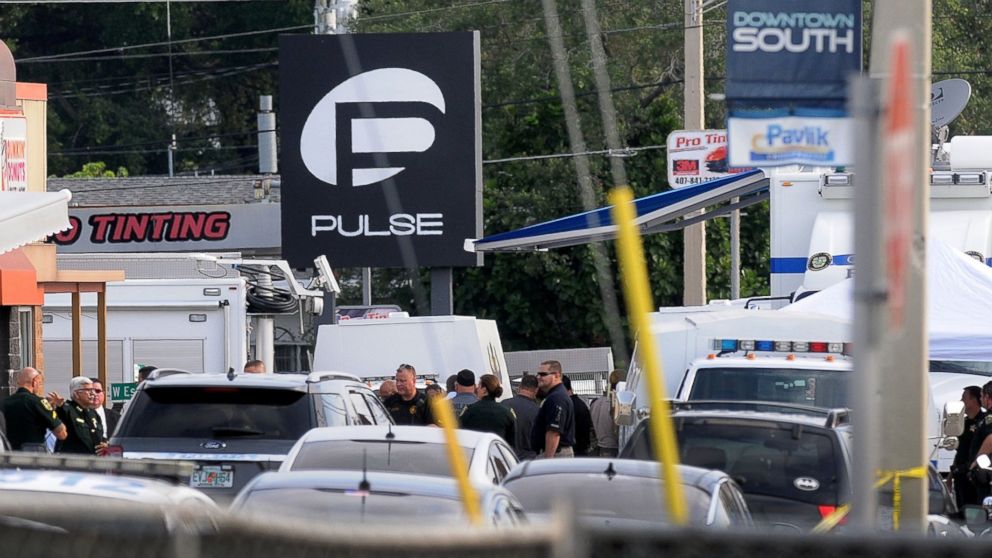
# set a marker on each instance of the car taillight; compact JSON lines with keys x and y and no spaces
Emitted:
{"x":827,"y":510}
{"x":114,"y":451}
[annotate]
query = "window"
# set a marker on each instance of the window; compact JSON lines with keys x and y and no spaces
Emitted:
{"x":500,"y":468}
{"x":819,"y":388}
{"x":335,"y":413}
{"x":218,"y":412}
{"x":378,"y":411}
{"x":362,"y":413}
{"x":377,"y":455}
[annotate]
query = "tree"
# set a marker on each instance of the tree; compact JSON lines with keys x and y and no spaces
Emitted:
{"x":97,"y":170}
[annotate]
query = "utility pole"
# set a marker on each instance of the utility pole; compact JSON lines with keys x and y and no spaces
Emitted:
{"x":694,"y":236}
{"x":617,"y":170}
{"x":903,"y":371}
{"x":330,"y":17}
{"x":577,"y":143}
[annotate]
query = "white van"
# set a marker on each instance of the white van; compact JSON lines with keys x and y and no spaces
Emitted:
{"x":437,"y":346}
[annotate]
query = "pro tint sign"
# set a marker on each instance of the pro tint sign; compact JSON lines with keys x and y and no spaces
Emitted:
{"x":381,"y":149}
{"x":158,"y":229}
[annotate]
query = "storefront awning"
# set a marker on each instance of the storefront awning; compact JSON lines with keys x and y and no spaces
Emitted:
{"x":31,"y":216}
{"x":666,"y":211}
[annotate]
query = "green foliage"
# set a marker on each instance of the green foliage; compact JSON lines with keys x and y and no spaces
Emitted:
{"x":541,"y":300}
{"x":97,"y":169}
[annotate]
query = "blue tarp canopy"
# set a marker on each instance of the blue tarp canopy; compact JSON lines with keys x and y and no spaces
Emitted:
{"x":663,"y":212}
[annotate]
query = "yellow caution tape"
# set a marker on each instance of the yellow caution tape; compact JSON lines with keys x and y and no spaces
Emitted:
{"x":638,"y":295}
{"x":441,"y":409}
{"x":885,"y":477}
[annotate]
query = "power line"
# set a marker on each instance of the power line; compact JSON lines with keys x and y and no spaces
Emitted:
{"x":235,"y":71}
{"x":162,"y":43}
{"x":112,"y":58}
{"x":625,"y":152}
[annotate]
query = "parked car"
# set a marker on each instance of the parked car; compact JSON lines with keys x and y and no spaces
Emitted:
{"x":235,"y":426}
{"x":360,"y":497}
{"x":792,"y":462}
{"x":625,"y":492}
{"x":80,"y":494}
{"x":401,"y":449}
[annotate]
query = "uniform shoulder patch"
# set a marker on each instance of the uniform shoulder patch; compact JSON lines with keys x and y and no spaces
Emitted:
{"x":988,"y":419}
{"x":45,"y":404}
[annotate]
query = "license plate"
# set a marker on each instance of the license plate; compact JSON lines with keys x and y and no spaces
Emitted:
{"x":212,"y":477}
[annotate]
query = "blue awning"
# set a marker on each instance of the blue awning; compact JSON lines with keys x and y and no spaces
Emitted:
{"x":662,"y":212}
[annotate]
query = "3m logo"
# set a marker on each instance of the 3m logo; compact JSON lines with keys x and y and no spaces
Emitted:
{"x":373,"y":113}
{"x":685,"y":166}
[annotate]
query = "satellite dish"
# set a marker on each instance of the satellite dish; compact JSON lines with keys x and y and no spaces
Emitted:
{"x":947,"y":99}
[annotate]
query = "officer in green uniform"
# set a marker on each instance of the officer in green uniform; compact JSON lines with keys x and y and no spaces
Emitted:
{"x":29,"y":415}
{"x":981,"y":443}
{"x":487,"y":415}
{"x":408,"y":406}
{"x":85,"y":429}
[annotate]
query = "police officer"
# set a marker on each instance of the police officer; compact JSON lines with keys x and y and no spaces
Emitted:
{"x":981,"y":444}
{"x":554,"y":429}
{"x":28,"y":414}
{"x":964,"y":491}
{"x":408,"y":406}
{"x":85,"y":432}
{"x":487,"y":415}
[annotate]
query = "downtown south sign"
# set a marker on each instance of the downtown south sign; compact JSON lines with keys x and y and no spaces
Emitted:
{"x":381,"y":149}
{"x":787,"y":69}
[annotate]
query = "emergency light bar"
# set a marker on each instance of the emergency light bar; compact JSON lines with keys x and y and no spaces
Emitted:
{"x":175,"y":471}
{"x":763,"y":345}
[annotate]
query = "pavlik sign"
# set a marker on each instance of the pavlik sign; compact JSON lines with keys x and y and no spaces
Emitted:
{"x":787,"y":70}
{"x":381,"y":149}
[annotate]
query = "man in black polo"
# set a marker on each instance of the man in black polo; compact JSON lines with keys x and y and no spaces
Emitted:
{"x":29,"y":414}
{"x":408,"y":406}
{"x":554,"y":429}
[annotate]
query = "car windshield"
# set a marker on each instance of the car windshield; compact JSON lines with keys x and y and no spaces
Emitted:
{"x":594,"y":495}
{"x":315,"y":504}
{"x":218,"y":412}
{"x":376,"y":455}
{"x":819,"y":388}
{"x":780,"y":460}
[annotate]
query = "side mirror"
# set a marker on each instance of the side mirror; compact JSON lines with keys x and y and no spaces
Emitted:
{"x":623,"y":413}
{"x":953,"y":419}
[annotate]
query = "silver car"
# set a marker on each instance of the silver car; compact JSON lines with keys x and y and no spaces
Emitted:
{"x":626,"y":492}
{"x":400,"y":449}
{"x":354,"y":496}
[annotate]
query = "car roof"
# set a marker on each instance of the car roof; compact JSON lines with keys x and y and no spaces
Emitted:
{"x":426,"y":434}
{"x":285,"y":381}
{"x":691,"y":476}
{"x":112,"y":487}
{"x":405,"y":483}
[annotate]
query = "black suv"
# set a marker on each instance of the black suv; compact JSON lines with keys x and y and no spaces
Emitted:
{"x":792,"y":462}
{"x":235,"y":426}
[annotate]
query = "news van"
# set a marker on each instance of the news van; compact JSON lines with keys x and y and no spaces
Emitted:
{"x":436,"y":346}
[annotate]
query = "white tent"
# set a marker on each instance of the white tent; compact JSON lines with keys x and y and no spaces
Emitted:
{"x":959,"y":304}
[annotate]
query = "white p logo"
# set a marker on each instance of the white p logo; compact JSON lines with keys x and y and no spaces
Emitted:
{"x":326,"y":141}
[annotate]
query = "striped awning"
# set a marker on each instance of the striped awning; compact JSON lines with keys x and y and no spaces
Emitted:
{"x":27,"y":217}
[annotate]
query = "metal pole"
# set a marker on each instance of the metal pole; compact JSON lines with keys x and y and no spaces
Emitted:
{"x":735,"y":252}
{"x":869,"y":296}
{"x":442,"y":301}
{"x":265,"y":341}
{"x":694,"y":237}
{"x":367,"y":286}
{"x":905,"y":368}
